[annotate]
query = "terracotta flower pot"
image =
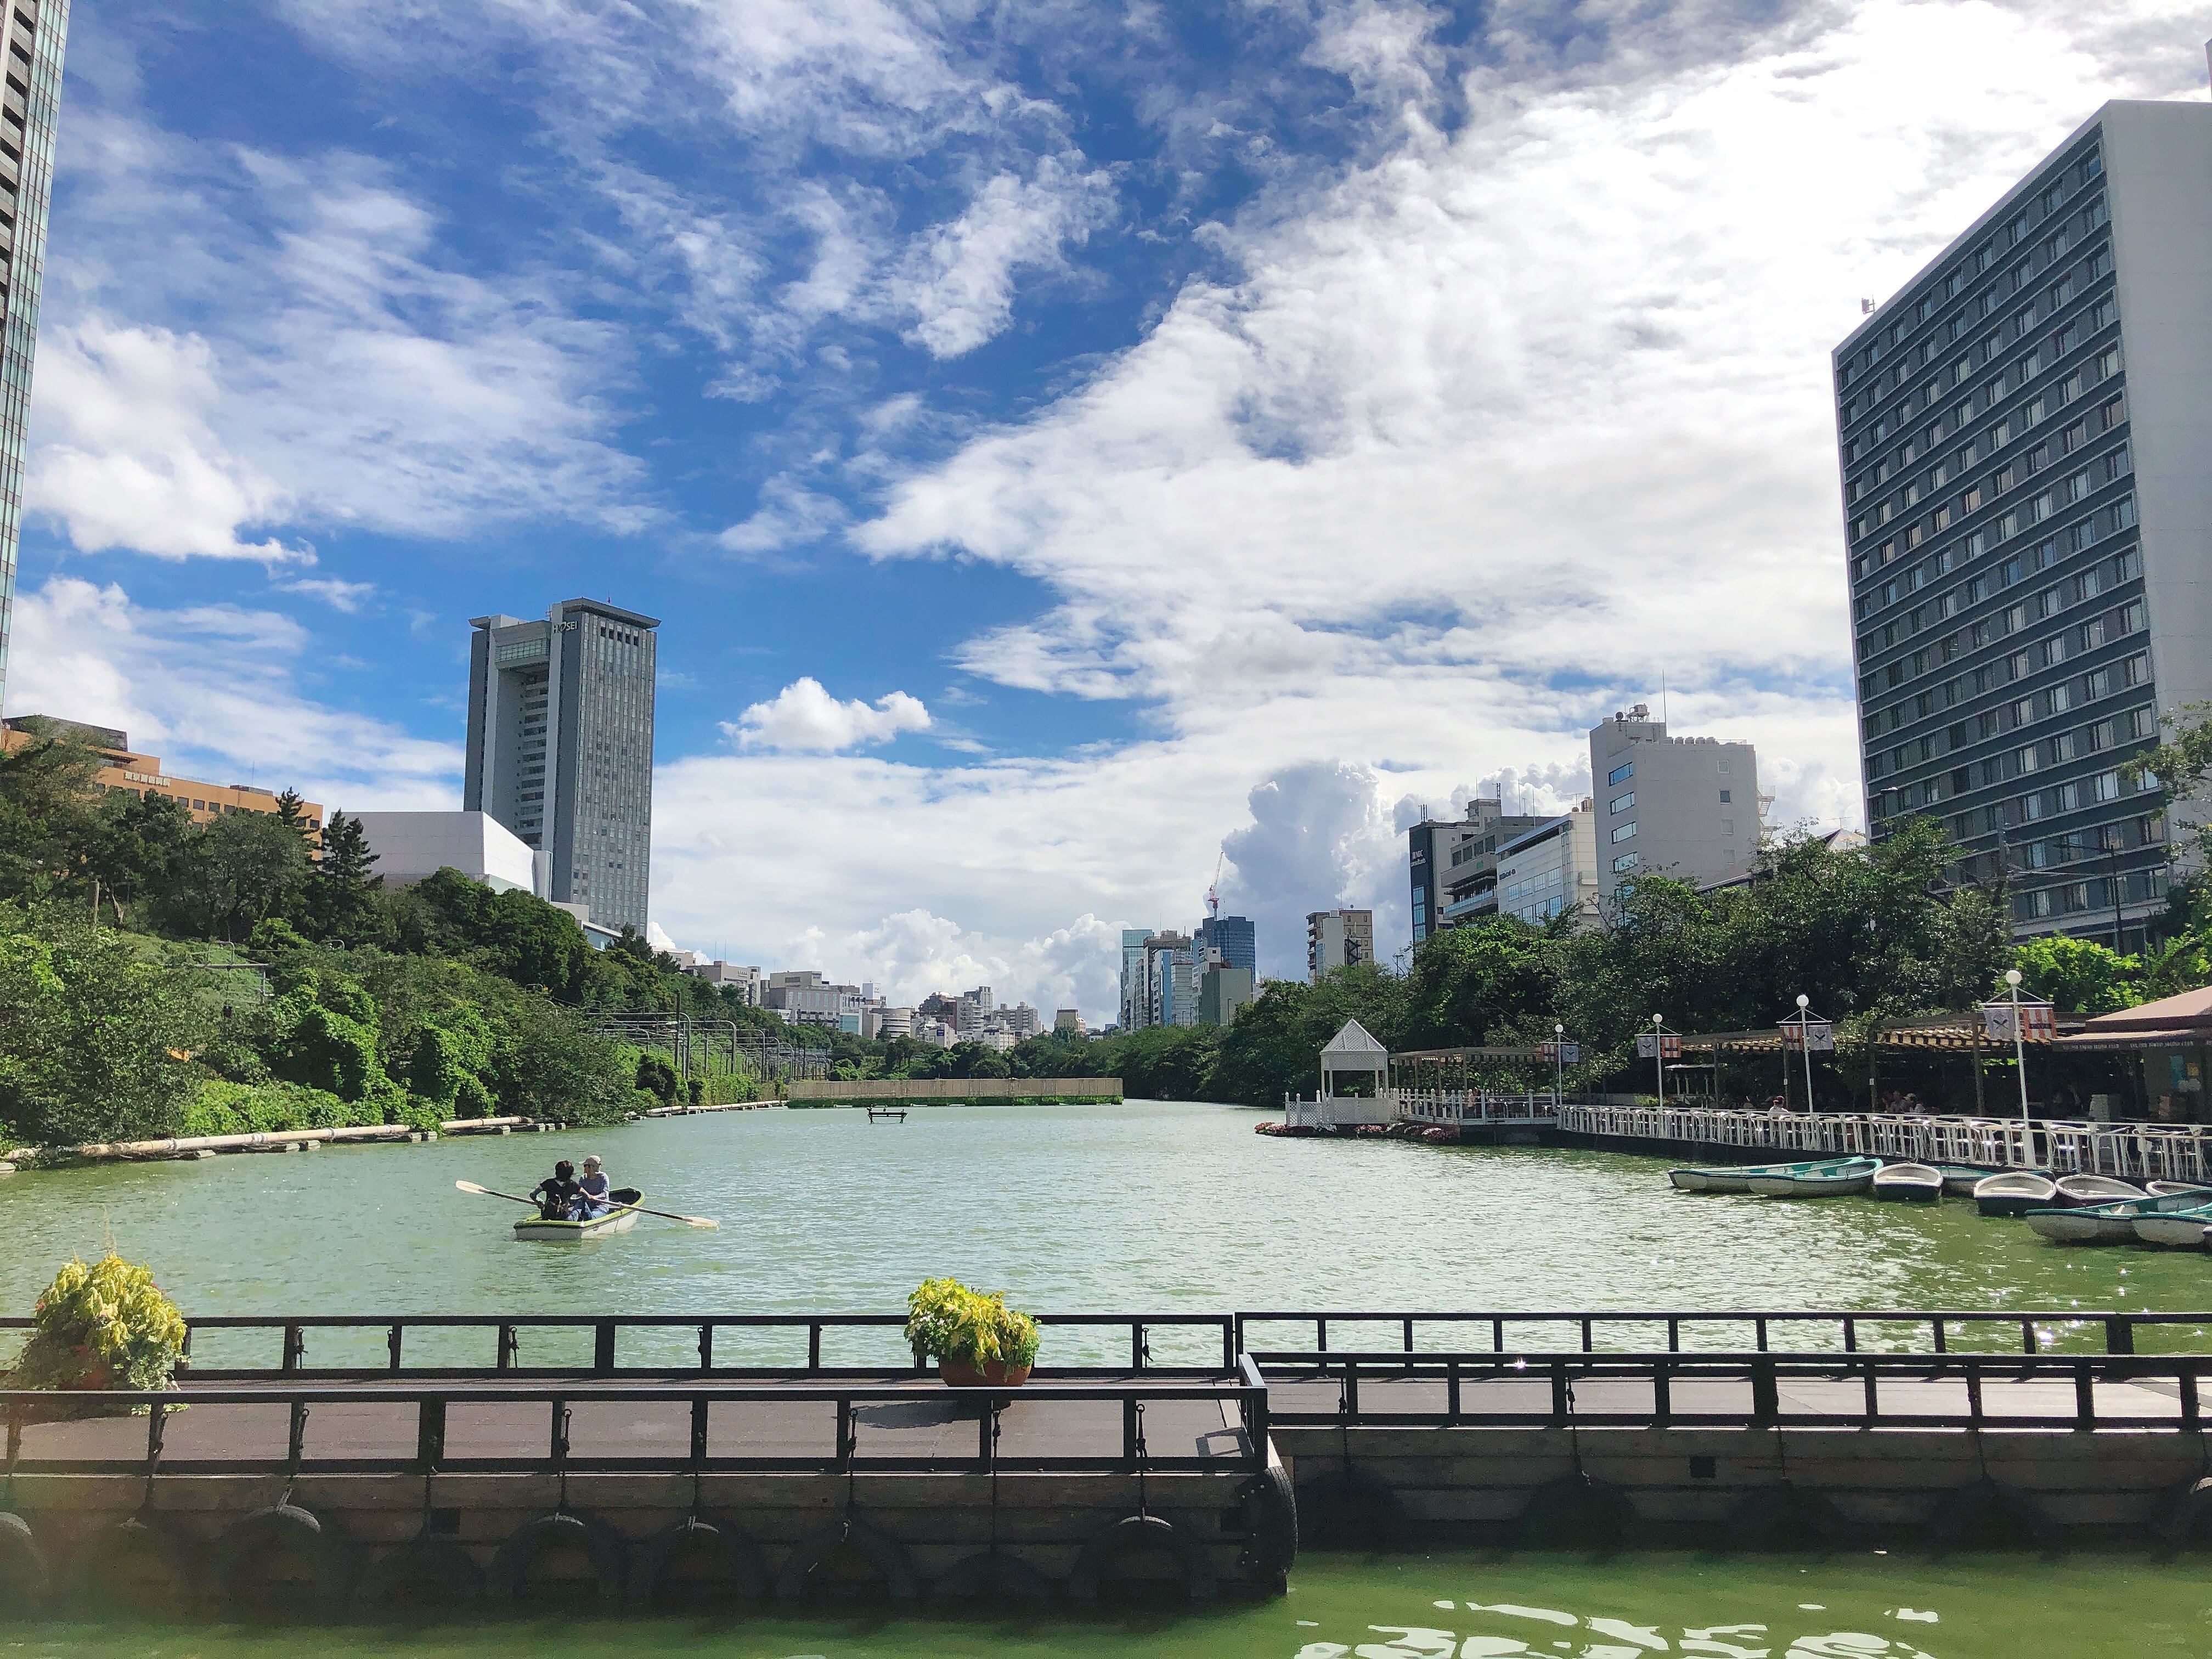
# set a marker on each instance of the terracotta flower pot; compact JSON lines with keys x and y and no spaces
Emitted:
{"x":993,"y":1374}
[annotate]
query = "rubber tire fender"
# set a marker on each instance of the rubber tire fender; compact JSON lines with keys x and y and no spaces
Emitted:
{"x":2184,"y":1517}
{"x":794,"y":1583}
{"x":1134,"y":1532}
{"x":385,"y":1582}
{"x":1271,"y":1524}
{"x":137,"y":1535}
{"x":738,"y":1557}
{"x":990,"y":1576}
{"x":601,"y":1545}
{"x":1576,"y":1511}
{"x":23,"y":1578}
{"x":253,"y":1535}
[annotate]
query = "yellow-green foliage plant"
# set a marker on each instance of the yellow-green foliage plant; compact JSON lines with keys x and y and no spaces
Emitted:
{"x":945,"y":1319}
{"x":105,"y":1326}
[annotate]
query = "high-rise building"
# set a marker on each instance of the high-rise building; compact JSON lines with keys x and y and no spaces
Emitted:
{"x":1454,"y":865}
{"x":561,"y":748}
{"x":1133,"y":984}
{"x":1551,"y":868}
{"x":2028,"y":496}
{"x":1229,"y":937}
{"x":34,"y":31}
{"x":1337,"y":939}
{"x":1171,"y":986}
{"x":1222,"y":990}
{"x":1683,"y":807}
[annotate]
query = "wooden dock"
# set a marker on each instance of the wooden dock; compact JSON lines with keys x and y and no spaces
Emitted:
{"x":346,"y":1461}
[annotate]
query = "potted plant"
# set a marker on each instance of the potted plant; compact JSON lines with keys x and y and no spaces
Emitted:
{"x":976,"y":1340}
{"x":105,"y":1326}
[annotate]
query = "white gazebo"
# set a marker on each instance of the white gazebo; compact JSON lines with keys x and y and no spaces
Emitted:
{"x":1354,"y":1051}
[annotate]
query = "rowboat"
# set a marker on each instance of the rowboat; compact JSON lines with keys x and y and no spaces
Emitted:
{"x":1908,"y":1183}
{"x":2014,"y":1192}
{"x":2095,"y":1190}
{"x":2160,"y":1188}
{"x":2183,"y":1229}
{"x":619,"y":1220}
{"x":2107,"y":1224}
{"x":1830,"y":1178}
{"x":1959,"y":1180}
{"x":1712,"y":1181}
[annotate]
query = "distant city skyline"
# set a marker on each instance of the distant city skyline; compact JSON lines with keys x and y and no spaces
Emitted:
{"x":943,"y":387}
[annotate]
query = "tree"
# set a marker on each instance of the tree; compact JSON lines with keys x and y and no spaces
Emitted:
{"x":237,"y":870}
{"x":291,"y":812}
{"x":47,"y":791}
{"x":1468,"y":983}
{"x":342,"y":897}
{"x":2078,"y":975}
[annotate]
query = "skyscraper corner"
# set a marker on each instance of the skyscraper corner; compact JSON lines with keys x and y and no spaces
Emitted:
{"x":34,"y":32}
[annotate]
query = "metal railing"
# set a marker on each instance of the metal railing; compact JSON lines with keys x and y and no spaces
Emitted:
{"x":1851,"y":1332}
{"x":690,"y":1347}
{"x":1402,"y":1390}
{"x":35,"y":1445}
{"x":1536,"y":1107}
{"x":2143,"y":1152}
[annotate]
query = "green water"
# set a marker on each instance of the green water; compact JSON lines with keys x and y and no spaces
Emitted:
{"x":1434,"y":1606}
{"x":1152,"y":1207}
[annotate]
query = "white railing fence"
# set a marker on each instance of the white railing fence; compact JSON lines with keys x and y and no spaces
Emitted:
{"x":2144,"y":1152}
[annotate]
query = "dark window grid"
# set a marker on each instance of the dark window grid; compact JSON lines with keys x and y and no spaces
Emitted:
{"x":1978,"y":795}
{"x":1890,"y":404}
{"x":2117,"y":650}
{"x":2091,"y":343}
{"x":2065,"y":574}
{"x":1999,"y":746}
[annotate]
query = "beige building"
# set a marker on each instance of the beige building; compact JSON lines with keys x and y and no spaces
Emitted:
{"x":1337,"y":938}
{"x":124,"y":768}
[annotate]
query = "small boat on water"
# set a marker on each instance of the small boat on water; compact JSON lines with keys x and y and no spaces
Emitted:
{"x":2160,"y":1188}
{"x":1908,"y":1183}
{"x":2095,"y":1190}
{"x":619,"y":1220}
{"x":2107,"y":1224}
{"x":1959,"y":1180}
{"x":2014,"y":1192}
{"x":1830,"y":1178}
{"x":2177,"y":1229}
{"x":1711,"y":1181}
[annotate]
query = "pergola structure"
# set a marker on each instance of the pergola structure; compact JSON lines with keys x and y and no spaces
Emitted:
{"x":1456,"y":1070}
{"x":1953,"y":1033}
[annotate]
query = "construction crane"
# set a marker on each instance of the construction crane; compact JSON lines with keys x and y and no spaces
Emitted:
{"x":1213,"y":887}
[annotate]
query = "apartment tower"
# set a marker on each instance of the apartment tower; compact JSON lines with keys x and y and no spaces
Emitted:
{"x":34,"y":32}
{"x":2028,"y":492}
{"x":561,"y":749}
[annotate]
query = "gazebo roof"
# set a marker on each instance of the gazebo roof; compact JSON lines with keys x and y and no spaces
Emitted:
{"x":1354,"y":1039}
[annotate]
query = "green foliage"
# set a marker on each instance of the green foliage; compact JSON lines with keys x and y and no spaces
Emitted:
{"x":2077,"y":973}
{"x":105,"y":1326}
{"x":945,"y":1319}
{"x":657,"y":1077}
{"x":225,"y":1108}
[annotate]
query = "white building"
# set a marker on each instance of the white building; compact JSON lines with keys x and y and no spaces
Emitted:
{"x":1688,"y":808}
{"x":1550,"y":869}
{"x":1337,"y":938}
{"x":410,"y":846}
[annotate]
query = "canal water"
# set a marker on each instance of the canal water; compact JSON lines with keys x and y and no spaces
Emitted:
{"x":1158,"y":1209}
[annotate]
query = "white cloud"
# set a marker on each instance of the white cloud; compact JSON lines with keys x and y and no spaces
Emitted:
{"x":345,"y":596}
{"x":215,"y":691}
{"x":786,"y":516}
{"x":958,"y":279}
{"x":805,"y":717}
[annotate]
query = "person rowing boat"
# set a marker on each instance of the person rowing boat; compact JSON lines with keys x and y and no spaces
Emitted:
{"x":592,"y":1191}
{"x":555,"y":1196}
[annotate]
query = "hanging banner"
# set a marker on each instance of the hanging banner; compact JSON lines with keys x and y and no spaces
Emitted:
{"x":1659,"y":1045}
{"x":1818,"y":1035}
{"x":2038,"y":1022}
{"x":1567,"y":1053}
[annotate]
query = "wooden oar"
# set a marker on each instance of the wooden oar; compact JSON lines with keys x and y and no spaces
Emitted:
{"x":666,"y":1215}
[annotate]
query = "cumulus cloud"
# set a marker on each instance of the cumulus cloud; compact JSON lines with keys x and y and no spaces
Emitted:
{"x":805,"y":717}
{"x":216,"y":690}
{"x":1318,"y":840}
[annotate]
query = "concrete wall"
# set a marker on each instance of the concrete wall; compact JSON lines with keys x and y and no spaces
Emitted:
{"x":410,"y":845}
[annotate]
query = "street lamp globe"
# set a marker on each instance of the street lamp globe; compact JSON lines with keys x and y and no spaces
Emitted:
{"x":1803,"y":1001}
{"x":2012,"y":976}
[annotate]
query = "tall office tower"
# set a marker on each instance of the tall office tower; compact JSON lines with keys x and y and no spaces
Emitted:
{"x":1170,"y":987}
{"x":2029,"y":494}
{"x":1133,"y":977}
{"x":1683,"y":807}
{"x":35,"y":32}
{"x":1231,"y":938}
{"x":561,"y":749}
{"x":1454,"y":865}
{"x":1337,"y":939}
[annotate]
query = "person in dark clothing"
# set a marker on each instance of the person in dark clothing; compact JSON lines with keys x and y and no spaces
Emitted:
{"x":556,"y":1195}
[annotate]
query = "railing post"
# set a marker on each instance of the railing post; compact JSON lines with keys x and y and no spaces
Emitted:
{"x":2119,"y":1334}
{"x":699,"y":1429}
{"x":429,"y":1435}
{"x":814,"y":1346}
{"x":560,"y":1434}
{"x":1765,"y":1394}
{"x":295,"y":1439}
{"x":505,"y":1361}
{"x":603,"y":1345}
{"x":1451,"y":1389}
{"x":1973,"y":1393}
{"x":157,"y":1419}
{"x":392,"y":1341}
{"x":293,"y":1343}
{"x":1561,"y":1408}
{"x":1136,"y":1345}
{"x":2190,"y":1405}
{"x":1662,"y":1394}
{"x":706,"y":1345}
{"x":2085,"y":1396}
{"x":1851,"y":1334}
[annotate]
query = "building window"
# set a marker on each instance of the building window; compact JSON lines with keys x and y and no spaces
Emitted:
{"x":1623,"y":831}
{"x":1725,"y":797}
{"x":1622,"y":803}
{"x":1620,"y":774}
{"x":1626,"y":862}
{"x":1727,"y":826}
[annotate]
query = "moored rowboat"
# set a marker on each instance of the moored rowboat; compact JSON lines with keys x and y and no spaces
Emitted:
{"x":2095,"y":1190}
{"x":619,"y":1220}
{"x":2107,"y":1224}
{"x":1830,"y":1178}
{"x":2014,"y":1192}
{"x":2181,"y":1230}
{"x":2161,"y":1189}
{"x":1908,"y":1183}
{"x":1959,"y":1180}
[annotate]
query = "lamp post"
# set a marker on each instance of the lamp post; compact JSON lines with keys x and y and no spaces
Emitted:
{"x":2018,"y":1046}
{"x":1558,"y":1063}
{"x":1659,"y":1056}
{"x":1805,"y":1042}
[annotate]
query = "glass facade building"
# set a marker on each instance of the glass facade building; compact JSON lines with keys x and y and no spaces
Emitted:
{"x":1233,"y":937}
{"x":2027,"y":488}
{"x":559,"y":748}
{"x":34,"y":32}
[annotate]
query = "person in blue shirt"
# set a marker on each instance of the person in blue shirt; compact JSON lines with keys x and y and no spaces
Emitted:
{"x":590,"y":1190}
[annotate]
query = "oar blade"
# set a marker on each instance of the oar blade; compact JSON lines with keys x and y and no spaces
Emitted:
{"x":471,"y":1186}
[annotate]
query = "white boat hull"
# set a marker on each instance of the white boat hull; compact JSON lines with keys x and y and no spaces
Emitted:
{"x":2071,"y":1227}
{"x":2095,"y":1190}
{"x":574,"y":1232}
{"x":1707,"y":1181}
{"x":1909,"y":1183}
{"x":2184,"y":1231}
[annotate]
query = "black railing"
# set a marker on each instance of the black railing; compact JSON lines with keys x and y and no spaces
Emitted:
{"x":693,"y":1337}
{"x":1744,"y":1390}
{"x":122,"y":1444}
{"x":1860,"y":1330}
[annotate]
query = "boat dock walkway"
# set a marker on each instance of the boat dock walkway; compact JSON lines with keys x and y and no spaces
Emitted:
{"x":324,"y":1461}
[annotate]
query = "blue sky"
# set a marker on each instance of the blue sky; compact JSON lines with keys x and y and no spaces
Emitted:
{"x":1061,"y":439}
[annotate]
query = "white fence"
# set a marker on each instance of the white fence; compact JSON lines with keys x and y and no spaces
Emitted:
{"x":1538,"y":1108}
{"x":2144,"y":1152}
{"x":1339,"y":1112}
